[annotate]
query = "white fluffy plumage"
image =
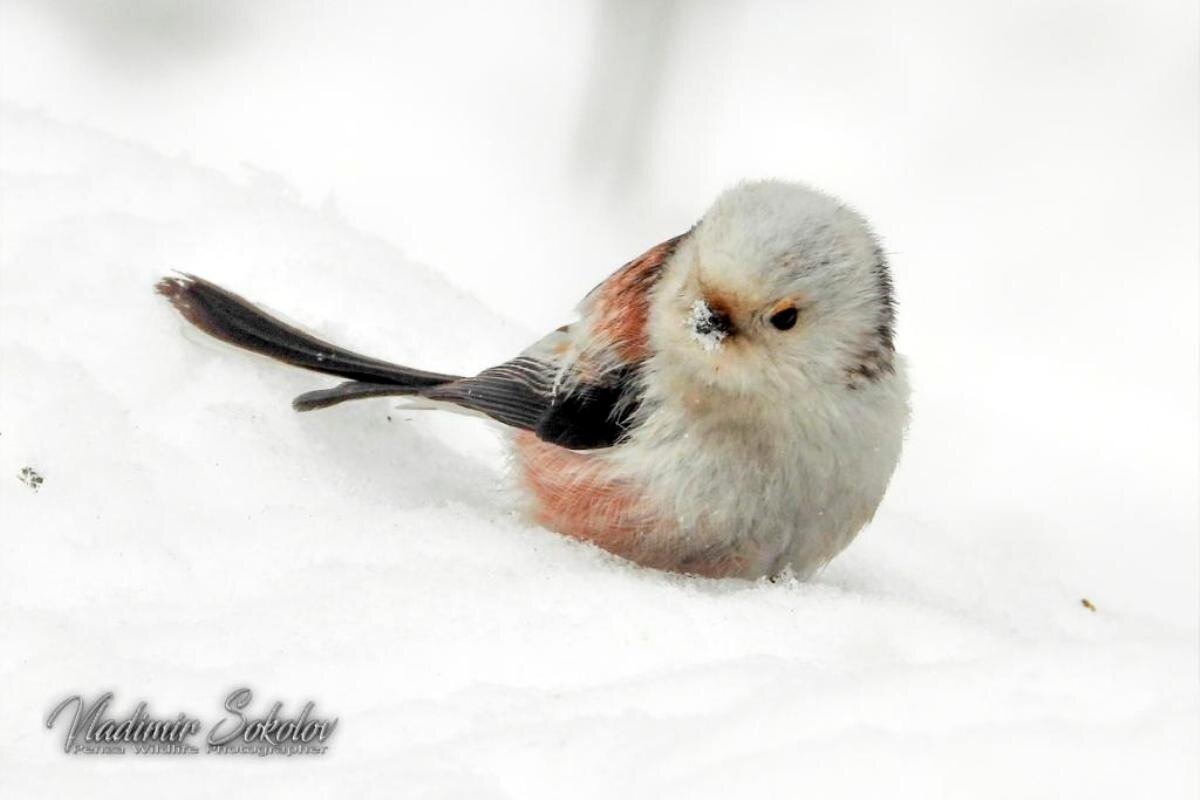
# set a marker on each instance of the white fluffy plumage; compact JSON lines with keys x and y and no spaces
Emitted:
{"x":768,"y":448}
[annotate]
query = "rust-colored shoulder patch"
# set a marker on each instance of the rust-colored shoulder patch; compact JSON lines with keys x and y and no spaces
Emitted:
{"x":622,"y":305}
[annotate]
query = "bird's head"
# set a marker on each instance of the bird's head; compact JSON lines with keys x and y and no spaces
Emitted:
{"x":778,"y":286}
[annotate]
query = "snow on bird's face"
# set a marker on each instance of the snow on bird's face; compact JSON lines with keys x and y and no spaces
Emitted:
{"x":709,"y":327}
{"x":777,"y":286}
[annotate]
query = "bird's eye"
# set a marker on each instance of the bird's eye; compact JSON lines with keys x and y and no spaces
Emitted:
{"x":785,"y":319}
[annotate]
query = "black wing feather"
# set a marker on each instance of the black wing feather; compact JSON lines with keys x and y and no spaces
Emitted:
{"x":522,"y":393}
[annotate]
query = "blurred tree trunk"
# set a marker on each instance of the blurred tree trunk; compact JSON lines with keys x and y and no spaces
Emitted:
{"x":631,"y":53}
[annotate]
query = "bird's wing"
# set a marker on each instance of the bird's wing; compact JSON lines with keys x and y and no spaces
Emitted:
{"x":579,"y":386}
{"x":546,"y":390}
{"x":617,"y":311}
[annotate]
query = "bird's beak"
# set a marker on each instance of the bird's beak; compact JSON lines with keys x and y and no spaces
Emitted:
{"x":710,"y":325}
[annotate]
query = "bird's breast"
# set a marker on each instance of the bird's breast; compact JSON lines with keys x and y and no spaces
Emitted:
{"x":718,"y":490}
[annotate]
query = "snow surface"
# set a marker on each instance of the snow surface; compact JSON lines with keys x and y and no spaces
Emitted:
{"x":193,"y":533}
{"x":1032,"y":170}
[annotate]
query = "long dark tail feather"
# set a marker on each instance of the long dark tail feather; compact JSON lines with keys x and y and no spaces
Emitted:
{"x":351,"y":390}
{"x":233,"y":319}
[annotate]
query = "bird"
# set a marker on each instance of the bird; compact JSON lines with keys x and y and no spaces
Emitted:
{"x":729,"y":404}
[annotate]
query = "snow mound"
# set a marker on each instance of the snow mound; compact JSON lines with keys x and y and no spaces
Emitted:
{"x":191,"y":531}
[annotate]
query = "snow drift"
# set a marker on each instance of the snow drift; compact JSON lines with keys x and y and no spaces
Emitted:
{"x":193,"y":534}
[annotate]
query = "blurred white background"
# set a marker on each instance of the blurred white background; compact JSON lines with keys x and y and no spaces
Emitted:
{"x":1032,"y":168}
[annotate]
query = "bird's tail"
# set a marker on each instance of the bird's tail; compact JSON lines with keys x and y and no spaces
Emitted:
{"x":233,"y":319}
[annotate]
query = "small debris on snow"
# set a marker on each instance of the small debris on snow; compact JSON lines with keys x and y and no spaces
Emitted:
{"x":30,"y":477}
{"x":1087,"y":604}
